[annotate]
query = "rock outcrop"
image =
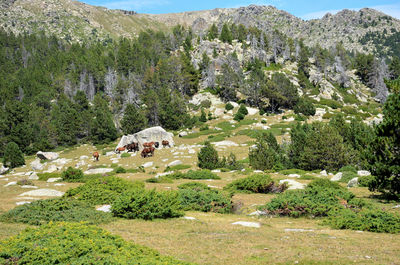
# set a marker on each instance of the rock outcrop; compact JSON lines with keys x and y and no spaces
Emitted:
{"x":47,"y":155}
{"x":154,"y":134}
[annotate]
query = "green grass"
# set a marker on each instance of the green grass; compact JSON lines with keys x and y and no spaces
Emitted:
{"x":46,"y":176}
{"x":177,"y":168}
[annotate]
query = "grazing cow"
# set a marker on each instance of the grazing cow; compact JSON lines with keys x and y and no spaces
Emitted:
{"x":149,"y":151}
{"x":120,"y":149}
{"x":96,"y":156}
{"x":132,"y":147}
{"x":165,"y":143}
{"x":148,"y":145}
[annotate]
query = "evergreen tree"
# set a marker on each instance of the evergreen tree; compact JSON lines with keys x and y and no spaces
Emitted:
{"x":103,"y":129}
{"x":208,"y":157}
{"x":266,"y":154}
{"x":133,"y":120}
{"x":203,"y":117}
{"x":13,"y":156}
{"x":226,"y":35}
{"x":213,"y":32}
{"x":384,"y":151}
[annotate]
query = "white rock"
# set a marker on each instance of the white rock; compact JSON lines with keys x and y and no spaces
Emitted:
{"x":13,"y":183}
{"x":218,"y":112}
{"x":192,"y":151}
{"x":189,"y":218}
{"x":147,"y":164}
{"x":337,"y":177}
{"x":225,"y":143}
{"x":47,"y":155}
{"x":29,"y":173}
{"x":83,"y":157}
{"x":51,"y":180}
{"x":3,"y":169}
{"x":43,"y":193}
{"x":104,"y":208}
{"x":61,"y":161}
{"x":154,"y":134}
{"x":98,"y":171}
{"x":33,"y":176}
{"x":258,"y":213}
{"x":36,"y":165}
{"x":294,"y":176}
{"x":352,"y":183}
{"x":234,"y":104}
{"x":181,"y":134}
{"x":293,"y":185}
{"x":323,"y":173}
{"x":175,"y":163}
{"x":248,"y":224}
{"x":258,"y":171}
{"x":28,"y":187}
{"x":164,"y":174}
{"x":252,"y":111}
{"x":164,"y":160}
{"x":51,"y":169}
{"x":363,"y":173}
{"x":59,"y":184}
{"x":22,"y":203}
{"x":216,"y":171}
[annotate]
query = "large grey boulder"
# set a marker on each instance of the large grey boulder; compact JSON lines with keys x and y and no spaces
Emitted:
{"x":154,"y":134}
{"x":36,"y":165}
{"x":47,"y":155}
{"x":363,"y":173}
{"x":98,"y":171}
{"x":293,"y":185}
{"x":43,"y":193}
{"x":3,"y":170}
{"x":352,"y":183}
{"x":337,"y":177}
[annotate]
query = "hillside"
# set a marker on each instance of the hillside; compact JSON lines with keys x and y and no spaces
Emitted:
{"x":76,"y":21}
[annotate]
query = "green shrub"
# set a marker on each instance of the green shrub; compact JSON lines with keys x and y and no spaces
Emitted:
{"x":347,"y":176}
{"x":365,"y":181}
{"x":160,"y":179}
{"x":177,"y":167}
{"x":238,"y":116}
{"x":75,"y":243}
{"x":327,"y":116}
{"x":46,"y":176}
{"x":199,"y":174}
{"x":119,"y":169}
{"x":13,"y":156}
{"x":330,"y":103}
{"x":60,"y":209}
{"x":305,"y":107}
{"x":373,"y":220}
{"x":203,"y":117}
{"x":200,"y":197}
{"x":243,"y":110}
{"x":72,"y":174}
{"x":292,"y":171}
{"x":125,"y":155}
{"x":349,"y":110}
{"x":148,"y":205}
{"x":205,"y":104}
{"x":208,"y":157}
{"x":23,"y":182}
{"x":204,"y":128}
{"x":256,"y":184}
{"x":229,"y":106}
{"x":348,"y":168}
{"x":103,"y":191}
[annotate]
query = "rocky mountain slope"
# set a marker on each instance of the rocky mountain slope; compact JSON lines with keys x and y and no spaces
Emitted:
{"x":76,"y":21}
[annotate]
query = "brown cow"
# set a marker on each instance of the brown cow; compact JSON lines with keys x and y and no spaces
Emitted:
{"x":132,"y":147}
{"x":148,"y":145}
{"x":96,"y":156}
{"x":120,"y":149}
{"x":165,"y":143}
{"x":149,"y":151}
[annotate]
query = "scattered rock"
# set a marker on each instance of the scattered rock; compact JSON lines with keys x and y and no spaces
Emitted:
{"x":98,"y":171}
{"x":51,"y":169}
{"x":396,"y":207}
{"x":258,"y":213}
{"x":293,"y":185}
{"x":33,"y":176}
{"x":225,"y":143}
{"x":191,"y":151}
{"x":36,"y":165}
{"x":147,"y":164}
{"x":22,"y":203}
{"x":164,"y":174}
{"x":51,"y":180}
{"x":3,"y":169}
{"x":105,"y":208}
{"x":323,"y":173}
{"x":175,"y":163}
{"x":353,"y":183}
{"x":43,"y":193}
{"x":189,"y":218}
{"x":337,"y":177}
{"x":181,"y":134}
{"x":47,"y":155}
{"x":61,"y":161}
{"x":294,"y":176}
{"x":28,"y":187}
{"x":216,"y":171}
{"x":252,"y":111}
{"x":59,"y":184}
{"x":154,"y":134}
{"x":13,"y":183}
{"x":248,"y":224}
{"x":363,"y":173}
{"x":83,"y":157}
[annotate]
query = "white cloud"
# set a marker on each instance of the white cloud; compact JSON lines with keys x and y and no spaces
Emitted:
{"x":391,"y":10}
{"x":135,"y":5}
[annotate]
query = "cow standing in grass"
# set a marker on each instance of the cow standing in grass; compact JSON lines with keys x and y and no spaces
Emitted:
{"x":148,"y":151}
{"x":96,"y":156}
{"x":165,"y":143}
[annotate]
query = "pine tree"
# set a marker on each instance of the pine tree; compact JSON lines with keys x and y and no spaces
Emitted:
{"x":103,"y":128}
{"x":208,"y":157}
{"x":133,"y":120}
{"x":203,"y":117}
{"x":213,"y":32}
{"x":226,"y":35}
{"x":13,"y":156}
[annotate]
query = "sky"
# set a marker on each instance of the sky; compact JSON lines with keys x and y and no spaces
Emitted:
{"x":305,"y":9}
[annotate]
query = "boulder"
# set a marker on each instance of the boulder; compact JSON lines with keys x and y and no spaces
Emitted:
{"x":33,"y":176}
{"x":225,"y":143}
{"x":104,"y":208}
{"x":181,"y":134}
{"x":363,"y":173}
{"x":294,"y":176}
{"x":83,"y":157}
{"x":248,"y":224}
{"x":47,"y":155}
{"x":51,"y":169}
{"x":28,"y":187}
{"x":154,"y":134}
{"x":293,"y":185}
{"x":175,"y":163}
{"x":22,"y":203}
{"x":353,"y":183}
{"x":252,"y":111}
{"x":43,"y":193}
{"x":323,"y":173}
{"x":13,"y":183}
{"x":51,"y":180}
{"x":234,"y":104}
{"x":36,"y":165}
{"x":337,"y":177}
{"x":98,"y":171}
{"x":3,"y":170}
{"x":191,"y":151}
{"x":147,"y":164}
{"x":189,"y":218}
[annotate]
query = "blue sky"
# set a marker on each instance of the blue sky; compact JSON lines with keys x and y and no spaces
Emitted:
{"x":305,"y":9}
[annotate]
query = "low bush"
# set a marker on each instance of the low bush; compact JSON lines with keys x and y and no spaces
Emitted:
{"x":229,"y":106}
{"x":292,"y":171}
{"x":119,"y":169}
{"x":305,"y":107}
{"x":160,"y":179}
{"x":75,"y":243}
{"x":347,"y":176}
{"x":238,"y":116}
{"x":72,"y":174}
{"x":364,"y":181}
{"x":103,"y":191}
{"x":330,"y":103}
{"x":148,"y":205}
{"x":60,"y":209}
{"x":177,"y":167}
{"x":200,"y":197}
{"x":348,"y":168}
{"x":199,"y":174}
{"x":256,"y":184}
{"x":125,"y":155}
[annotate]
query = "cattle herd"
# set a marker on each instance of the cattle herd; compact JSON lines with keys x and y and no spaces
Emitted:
{"x":148,"y":148}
